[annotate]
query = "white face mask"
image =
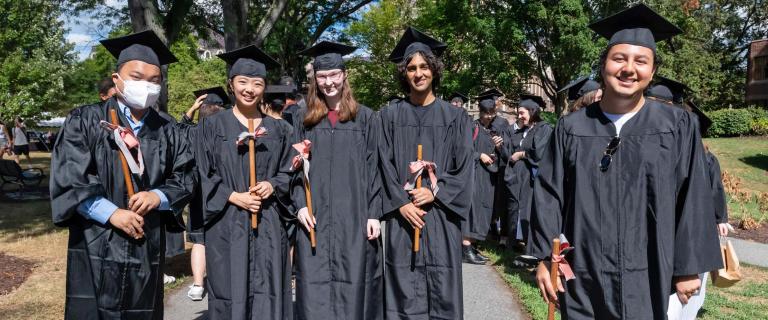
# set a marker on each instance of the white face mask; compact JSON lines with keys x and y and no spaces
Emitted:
{"x":139,"y":94}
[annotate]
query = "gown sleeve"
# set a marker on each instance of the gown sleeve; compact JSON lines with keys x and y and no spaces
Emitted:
{"x":453,"y":193}
{"x":281,"y":181}
{"x":297,"y":192}
{"x":73,"y":171}
{"x":180,"y":183}
{"x":697,"y":248}
{"x":393,"y":195}
{"x":720,"y":206}
{"x":546,"y":220}
{"x":541,"y":137}
{"x":372,"y":163}
{"x":215,"y":192}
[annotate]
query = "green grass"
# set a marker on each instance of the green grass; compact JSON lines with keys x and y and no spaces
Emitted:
{"x":746,"y":157}
{"x":747,"y":300}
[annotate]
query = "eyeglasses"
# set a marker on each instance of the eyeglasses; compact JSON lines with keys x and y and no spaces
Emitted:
{"x":610,"y":149}
{"x":334,"y":77}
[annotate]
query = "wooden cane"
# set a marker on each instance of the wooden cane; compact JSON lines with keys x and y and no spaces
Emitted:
{"x":417,"y":231}
{"x":308,"y":193}
{"x":553,"y":276}
{"x":252,"y":161}
{"x":123,"y":161}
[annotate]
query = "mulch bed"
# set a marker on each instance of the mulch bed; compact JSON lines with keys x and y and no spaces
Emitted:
{"x":13,"y":272}
{"x":757,"y":235}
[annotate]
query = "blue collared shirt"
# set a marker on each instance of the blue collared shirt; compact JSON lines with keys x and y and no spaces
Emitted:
{"x":98,"y":208}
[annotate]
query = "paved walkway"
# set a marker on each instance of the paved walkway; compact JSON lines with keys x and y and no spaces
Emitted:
{"x":751,"y":252}
{"x":486,"y":297}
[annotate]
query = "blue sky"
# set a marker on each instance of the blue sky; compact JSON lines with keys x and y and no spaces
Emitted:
{"x":84,"y":31}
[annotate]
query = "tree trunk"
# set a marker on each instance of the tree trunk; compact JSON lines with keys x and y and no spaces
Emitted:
{"x":236,"y":32}
{"x":266,"y":24}
{"x":145,"y":16}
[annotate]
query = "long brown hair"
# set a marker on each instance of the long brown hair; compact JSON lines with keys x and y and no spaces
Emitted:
{"x":317,"y":109}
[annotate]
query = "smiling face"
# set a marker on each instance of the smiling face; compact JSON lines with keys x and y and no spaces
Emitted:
{"x":418,"y":74}
{"x":248,"y":91}
{"x":523,"y":117}
{"x":628,"y":70}
{"x":330,"y":82}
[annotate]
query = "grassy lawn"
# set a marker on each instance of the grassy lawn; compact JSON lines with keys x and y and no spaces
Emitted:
{"x":26,"y":231}
{"x":747,"y":300}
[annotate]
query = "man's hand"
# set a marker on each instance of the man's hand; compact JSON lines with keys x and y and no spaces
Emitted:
{"x":144,"y":202}
{"x":413,"y":215}
{"x":486,"y":159}
{"x":263,"y":189}
{"x":305,"y":220}
{"x":374,"y":228}
{"x":421,"y":196}
{"x":497,"y":141}
{"x":545,"y":283}
{"x":686,"y":286}
{"x":129,"y":222}
{"x":246,"y":201}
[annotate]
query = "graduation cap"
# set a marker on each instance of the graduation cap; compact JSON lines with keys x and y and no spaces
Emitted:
{"x":638,"y":25}
{"x":328,"y":55}
{"x":248,"y":61}
{"x":414,"y":41}
{"x":580,"y":87}
{"x":215,"y":95}
{"x":490,"y":94}
{"x":668,"y":89}
{"x":144,"y":46}
{"x":457,"y":95}
{"x":704,"y":121}
{"x":531,"y":101}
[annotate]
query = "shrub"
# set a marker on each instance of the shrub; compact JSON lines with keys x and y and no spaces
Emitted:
{"x":760,"y":126}
{"x":730,"y":122}
{"x":549,"y":117}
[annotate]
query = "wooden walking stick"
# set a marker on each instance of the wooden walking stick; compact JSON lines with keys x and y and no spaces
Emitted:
{"x":252,"y":161}
{"x":123,"y":161}
{"x":553,"y":276}
{"x":308,"y":193}
{"x":417,"y":231}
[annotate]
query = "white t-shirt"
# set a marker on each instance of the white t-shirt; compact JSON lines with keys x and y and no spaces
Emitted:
{"x":19,"y":138}
{"x":619,"y":119}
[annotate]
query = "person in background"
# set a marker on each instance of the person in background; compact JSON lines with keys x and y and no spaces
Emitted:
{"x":458,"y":100}
{"x":106,"y":88}
{"x":582,"y":92}
{"x":20,"y":142}
{"x":209,"y":102}
{"x":5,"y":144}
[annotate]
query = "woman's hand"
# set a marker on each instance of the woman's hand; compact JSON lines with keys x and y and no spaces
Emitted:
{"x":305,"y":220}
{"x":246,"y":201}
{"x":686,"y":286}
{"x":374,"y":228}
{"x":263,"y":189}
{"x":722,"y":229}
{"x":517,"y":156}
{"x":195,"y":106}
{"x":486,"y":159}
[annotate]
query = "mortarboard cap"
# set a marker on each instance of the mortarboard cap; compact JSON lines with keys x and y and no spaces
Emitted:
{"x":531,"y":101}
{"x":668,"y":89}
{"x":144,"y":46}
{"x":704,"y":121}
{"x":579,"y":87}
{"x":459,"y":96}
{"x":216,"y":95}
{"x":414,"y":41}
{"x":490,"y":94}
{"x":638,"y":25}
{"x":248,"y":61}
{"x":328,"y":55}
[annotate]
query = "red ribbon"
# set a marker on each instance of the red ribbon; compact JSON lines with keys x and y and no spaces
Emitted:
{"x":303,"y":149}
{"x":416,"y":168}
{"x":244,"y":136}
{"x":563,"y":268}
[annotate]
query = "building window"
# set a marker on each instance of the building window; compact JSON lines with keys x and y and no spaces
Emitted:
{"x":761,"y":68}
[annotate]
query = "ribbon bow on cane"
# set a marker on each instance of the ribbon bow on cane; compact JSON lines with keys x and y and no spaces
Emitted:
{"x":416,"y":168}
{"x":126,"y":141}
{"x":244,"y":136}
{"x":564,"y":269}
{"x":302,"y":159}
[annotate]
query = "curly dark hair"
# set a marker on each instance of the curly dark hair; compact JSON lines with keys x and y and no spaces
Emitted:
{"x":435,"y":65}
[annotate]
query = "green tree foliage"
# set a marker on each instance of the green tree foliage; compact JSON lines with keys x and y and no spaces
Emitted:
{"x":34,"y":59}
{"x":191,"y":73}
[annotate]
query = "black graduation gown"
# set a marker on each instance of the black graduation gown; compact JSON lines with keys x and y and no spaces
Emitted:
{"x":485,"y":179}
{"x":425,"y":285}
{"x":521,"y":175}
{"x":341,"y":278}
{"x":635,"y":226}
{"x":716,"y":182}
{"x":248,"y":271}
{"x":111,"y":275}
{"x":194,"y":225}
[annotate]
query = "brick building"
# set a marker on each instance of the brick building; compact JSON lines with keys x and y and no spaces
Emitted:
{"x":757,"y":73}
